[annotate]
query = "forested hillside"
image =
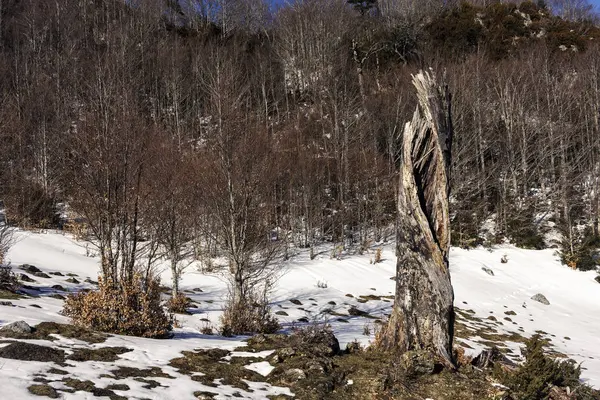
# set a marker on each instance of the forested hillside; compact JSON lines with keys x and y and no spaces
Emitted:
{"x":232,"y":125}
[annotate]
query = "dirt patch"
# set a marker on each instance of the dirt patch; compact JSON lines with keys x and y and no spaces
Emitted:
{"x":103,"y":354}
{"x":32,"y":352}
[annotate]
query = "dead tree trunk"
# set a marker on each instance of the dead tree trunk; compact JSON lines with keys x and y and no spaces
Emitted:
{"x":423,"y":314}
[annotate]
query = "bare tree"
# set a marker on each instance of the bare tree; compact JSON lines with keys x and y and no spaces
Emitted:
{"x":6,"y":240}
{"x":235,"y":176}
{"x":423,"y":314}
{"x":573,"y":10}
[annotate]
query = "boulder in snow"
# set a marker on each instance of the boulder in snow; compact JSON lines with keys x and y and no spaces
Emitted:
{"x":32,"y":269}
{"x":25,"y":278}
{"x":295,"y":374}
{"x":17,"y":327}
{"x":540,"y":298}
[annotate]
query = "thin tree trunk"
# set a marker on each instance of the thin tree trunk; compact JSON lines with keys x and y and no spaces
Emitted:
{"x":423,"y":314}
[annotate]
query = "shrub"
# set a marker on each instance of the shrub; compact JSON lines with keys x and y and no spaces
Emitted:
{"x":6,"y":240}
{"x":461,"y":357}
{"x":132,"y":308}
{"x":248,"y":316}
{"x":316,"y":338}
{"x":178,"y":304}
{"x":29,"y":205}
{"x":535,"y":378}
{"x":8,"y":280}
{"x":465,"y":227}
{"x":584,"y":255}
{"x":377,"y":256}
{"x":522,"y":230}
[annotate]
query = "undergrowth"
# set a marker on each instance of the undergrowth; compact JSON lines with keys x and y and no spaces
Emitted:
{"x":128,"y":308}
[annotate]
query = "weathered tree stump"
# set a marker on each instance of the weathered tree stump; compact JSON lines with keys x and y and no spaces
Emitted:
{"x":423,"y":314}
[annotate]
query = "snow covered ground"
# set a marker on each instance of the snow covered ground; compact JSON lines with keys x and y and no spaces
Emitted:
{"x":324,"y":289}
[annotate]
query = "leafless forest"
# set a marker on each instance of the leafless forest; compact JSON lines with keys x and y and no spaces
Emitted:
{"x":224,"y":127}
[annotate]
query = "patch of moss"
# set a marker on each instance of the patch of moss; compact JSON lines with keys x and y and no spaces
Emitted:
{"x":32,"y":352}
{"x":130,"y":372}
{"x":45,"y":330}
{"x":103,"y":354}
{"x":205,"y":395}
{"x":359,"y":313}
{"x":43,"y":390}
{"x":149,"y":383}
{"x":8,"y":295}
{"x":118,"y":387}
{"x":210,"y":364}
{"x":57,"y":371}
{"x":86,"y":386}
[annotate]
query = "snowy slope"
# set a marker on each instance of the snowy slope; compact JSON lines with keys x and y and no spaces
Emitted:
{"x":572,"y":319}
{"x":572,"y":316}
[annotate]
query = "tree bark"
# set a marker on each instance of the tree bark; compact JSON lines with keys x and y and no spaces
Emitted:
{"x":423,"y":314}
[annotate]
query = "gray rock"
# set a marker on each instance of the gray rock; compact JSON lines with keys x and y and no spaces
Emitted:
{"x":25,"y":278}
{"x":540,"y":298}
{"x":416,"y":363}
{"x":32,"y":269}
{"x":488,"y":271}
{"x":6,"y":303}
{"x":295,"y":374}
{"x":17,"y":327}
{"x":315,"y":366}
{"x":286,"y":352}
